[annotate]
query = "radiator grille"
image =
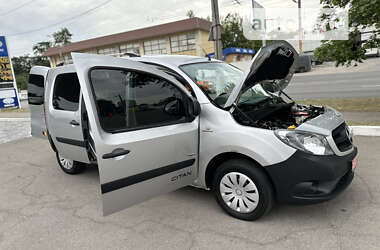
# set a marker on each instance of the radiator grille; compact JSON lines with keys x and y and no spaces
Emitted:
{"x":342,"y":139}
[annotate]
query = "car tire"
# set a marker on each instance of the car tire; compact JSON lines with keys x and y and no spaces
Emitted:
{"x":69,"y":166}
{"x":246,"y":201}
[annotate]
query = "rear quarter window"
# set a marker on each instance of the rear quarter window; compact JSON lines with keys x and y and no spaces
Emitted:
{"x":66,"y":92}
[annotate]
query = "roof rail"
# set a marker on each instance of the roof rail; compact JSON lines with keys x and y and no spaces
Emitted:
{"x":130,"y":54}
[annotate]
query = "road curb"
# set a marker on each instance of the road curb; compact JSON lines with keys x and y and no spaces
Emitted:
{"x":14,"y":119}
{"x":365,"y":130}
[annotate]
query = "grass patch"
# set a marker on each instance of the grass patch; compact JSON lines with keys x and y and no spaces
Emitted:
{"x":21,"y":110}
{"x":347,"y":104}
{"x":353,"y":123}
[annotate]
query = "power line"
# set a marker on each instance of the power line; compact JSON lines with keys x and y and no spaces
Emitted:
{"x":17,"y":8}
{"x":62,"y":21}
{"x":96,"y":27}
{"x":85,"y":36}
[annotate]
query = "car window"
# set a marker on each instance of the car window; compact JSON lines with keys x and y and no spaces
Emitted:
{"x":66,"y":92}
{"x":129,"y":100}
{"x":177,"y":76}
{"x":35,"y":89}
{"x":217,"y":80}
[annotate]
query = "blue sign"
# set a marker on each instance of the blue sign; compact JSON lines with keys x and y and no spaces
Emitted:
{"x":3,"y":47}
{"x":8,"y":88}
{"x":8,"y":98}
{"x":233,"y":50}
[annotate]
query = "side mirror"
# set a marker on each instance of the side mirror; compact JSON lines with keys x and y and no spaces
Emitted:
{"x":194,"y":107}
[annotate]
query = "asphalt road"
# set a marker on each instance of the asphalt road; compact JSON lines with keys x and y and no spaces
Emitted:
{"x":340,"y":85}
{"x":43,"y":208}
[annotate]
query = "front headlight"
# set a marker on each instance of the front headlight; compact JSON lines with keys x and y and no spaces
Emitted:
{"x":308,"y":142}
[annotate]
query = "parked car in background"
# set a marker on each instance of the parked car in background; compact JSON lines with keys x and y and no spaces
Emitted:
{"x":312,"y":59}
{"x":303,"y":64}
{"x":365,"y":37}
{"x":372,"y":52}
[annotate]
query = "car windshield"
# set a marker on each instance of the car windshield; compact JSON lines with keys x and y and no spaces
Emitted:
{"x":218,"y":79}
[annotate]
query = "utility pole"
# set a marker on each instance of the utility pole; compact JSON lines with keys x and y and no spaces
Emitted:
{"x":216,"y":29}
{"x":300,"y":25}
{"x":300,"y":31}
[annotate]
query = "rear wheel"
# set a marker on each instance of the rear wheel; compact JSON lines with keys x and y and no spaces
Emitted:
{"x":69,"y":166}
{"x":242,"y":189}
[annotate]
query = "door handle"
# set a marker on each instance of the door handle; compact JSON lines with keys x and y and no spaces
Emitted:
{"x":115,"y":153}
{"x":74,"y":123}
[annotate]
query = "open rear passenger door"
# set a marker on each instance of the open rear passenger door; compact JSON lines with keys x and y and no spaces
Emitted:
{"x":36,"y":96}
{"x":143,"y":127}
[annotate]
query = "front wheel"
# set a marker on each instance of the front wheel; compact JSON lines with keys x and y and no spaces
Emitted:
{"x":70,"y":166}
{"x":243,"y":190}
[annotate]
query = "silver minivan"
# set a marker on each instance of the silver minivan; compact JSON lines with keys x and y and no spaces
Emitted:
{"x":154,"y":124}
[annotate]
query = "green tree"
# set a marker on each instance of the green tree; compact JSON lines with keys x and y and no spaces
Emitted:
{"x":23,"y":64}
{"x":190,"y":14}
{"x":363,"y":14}
{"x":232,"y":34}
{"x":62,"y":37}
{"x":40,"y":48}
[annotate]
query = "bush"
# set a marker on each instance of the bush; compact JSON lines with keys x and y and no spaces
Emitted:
{"x":22,"y":80}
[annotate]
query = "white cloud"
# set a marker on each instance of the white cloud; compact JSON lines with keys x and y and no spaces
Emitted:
{"x":116,"y":16}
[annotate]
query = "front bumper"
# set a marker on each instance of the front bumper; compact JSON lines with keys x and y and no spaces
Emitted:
{"x":308,"y":179}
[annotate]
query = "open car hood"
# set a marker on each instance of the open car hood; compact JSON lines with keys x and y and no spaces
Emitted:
{"x":274,"y":65}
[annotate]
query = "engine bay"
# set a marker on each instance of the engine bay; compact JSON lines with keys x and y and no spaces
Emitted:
{"x":275,"y":113}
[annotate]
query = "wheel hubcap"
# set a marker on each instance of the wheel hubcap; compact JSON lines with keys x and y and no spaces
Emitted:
{"x":66,"y":163}
{"x":239,"y":192}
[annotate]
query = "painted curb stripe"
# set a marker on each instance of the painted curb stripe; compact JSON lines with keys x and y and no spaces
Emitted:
{"x":365,"y":130}
{"x":14,"y":119}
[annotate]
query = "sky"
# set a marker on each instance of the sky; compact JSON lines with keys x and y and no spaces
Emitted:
{"x":26,"y":22}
